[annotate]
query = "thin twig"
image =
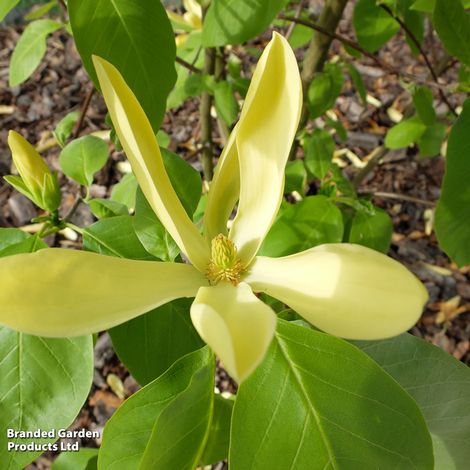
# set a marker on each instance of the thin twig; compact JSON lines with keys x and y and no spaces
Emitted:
{"x":187,"y":65}
{"x":73,"y":209}
{"x":400,"y":197}
{"x":339,"y":37}
{"x":298,"y":11}
{"x":83,"y":111}
{"x":374,"y":160}
{"x":416,"y":42}
{"x":354,"y":45}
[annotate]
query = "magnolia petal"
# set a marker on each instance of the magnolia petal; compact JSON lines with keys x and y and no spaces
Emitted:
{"x":266,"y":129}
{"x":142,"y":150}
{"x":235,"y":324}
{"x":56,"y":292}
{"x":346,"y":290}
{"x":224,"y":190}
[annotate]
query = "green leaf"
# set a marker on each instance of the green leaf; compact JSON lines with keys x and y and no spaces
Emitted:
{"x":29,"y":245}
{"x":179,"y":434}
{"x":65,"y":127}
{"x":358,"y":83}
{"x":192,"y":55}
{"x":163,"y":138}
{"x":313,"y":221}
{"x":11,"y":236}
{"x":227,"y":22}
{"x":143,"y":46}
{"x":124,"y":191}
{"x":431,"y":141}
{"x":341,"y":132}
{"x":151,"y":343}
{"x":45,"y":382}
{"x":30,"y":50}
{"x":84,"y":459}
{"x":373,"y":25}
{"x":115,"y":237}
{"x":6,"y":6}
{"x":83,"y":157}
{"x":372,"y":230}
{"x":414,"y":20}
{"x":428,"y":5}
{"x":452,"y":25}
{"x":185,"y":180}
{"x":324,"y":90}
{"x":217,"y":445}
{"x":173,"y":410}
{"x":440,"y":384}
{"x":103,"y":208}
{"x":423,"y":101}
{"x":151,"y":232}
{"x":296,"y":177}
{"x":18,"y":183}
{"x":405,"y":133}
{"x":318,"y":402}
{"x":453,"y":209}
{"x":319,"y":149}
{"x":300,"y":36}
{"x":225,"y":103}
{"x":41,"y":10}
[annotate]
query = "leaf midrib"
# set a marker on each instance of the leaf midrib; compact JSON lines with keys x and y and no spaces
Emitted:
{"x":308,"y":399}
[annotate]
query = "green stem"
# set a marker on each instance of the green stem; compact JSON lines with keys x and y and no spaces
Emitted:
{"x":206,"y":120}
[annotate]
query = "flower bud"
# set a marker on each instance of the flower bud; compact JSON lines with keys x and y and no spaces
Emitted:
{"x":36,"y":181}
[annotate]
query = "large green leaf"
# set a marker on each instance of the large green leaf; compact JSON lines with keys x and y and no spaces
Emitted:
{"x":234,"y":22}
{"x":440,"y":384}
{"x":6,"y":6}
{"x":137,"y":38}
{"x":83,"y":157}
{"x":84,"y":459}
{"x":453,"y":209}
{"x":185,"y":180}
{"x":151,"y":232}
{"x":151,"y":343}
{"x":318,"y":402}
{"x":115,"y":236}
{"x":44,"y":383}
{"x":311,"y":222}
{"x":218,"y":443}
{"x":373,"y":25}
{"x":428,"y":5}
{"x":452,"y":24}
{"x":166,"y":422}
{"x":30,"y":49}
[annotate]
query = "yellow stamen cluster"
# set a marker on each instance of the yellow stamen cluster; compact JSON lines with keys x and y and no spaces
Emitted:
{"x":224,"y":264}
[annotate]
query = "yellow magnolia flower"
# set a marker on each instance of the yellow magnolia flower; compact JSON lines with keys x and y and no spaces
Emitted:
{"x":346,"y":290}
{"x":36,"y":181}
{"x":191,"y":19}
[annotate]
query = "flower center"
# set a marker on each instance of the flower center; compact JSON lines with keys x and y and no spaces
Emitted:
{"x":224,"y":264}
